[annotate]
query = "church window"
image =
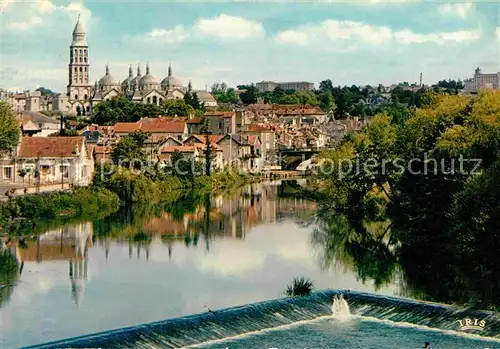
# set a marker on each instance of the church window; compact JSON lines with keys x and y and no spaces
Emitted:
{"x":155,"y":101}
{"x":85,"y":97}
{"x":76,"y":96}
{"x":149,"y":100}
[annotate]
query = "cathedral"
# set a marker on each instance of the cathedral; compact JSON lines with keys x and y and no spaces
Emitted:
{"x":82,"y":96}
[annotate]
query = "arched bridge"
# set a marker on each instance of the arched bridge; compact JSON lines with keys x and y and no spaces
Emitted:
{"x":290,"y":158}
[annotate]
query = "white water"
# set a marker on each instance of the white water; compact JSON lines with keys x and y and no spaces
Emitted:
{"x":340,"y":308}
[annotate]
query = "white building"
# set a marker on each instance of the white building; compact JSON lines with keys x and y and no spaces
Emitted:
{"x":482,"y":81}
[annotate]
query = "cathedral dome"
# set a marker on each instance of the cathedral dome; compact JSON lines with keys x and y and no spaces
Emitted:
{"x":170,"y":81}
{"x":108,"y":80}
{"x":148,"y":79}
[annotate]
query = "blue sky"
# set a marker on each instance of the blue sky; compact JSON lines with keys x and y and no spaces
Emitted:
{"x":349,"y":42}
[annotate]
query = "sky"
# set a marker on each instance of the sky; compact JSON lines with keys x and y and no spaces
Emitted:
{"x":240,"y":42}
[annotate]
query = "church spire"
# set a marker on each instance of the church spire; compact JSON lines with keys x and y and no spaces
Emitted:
{"x":190,"y":86}
{"x":169,"y":69}
{"x":107,"y":69}
{"x":139,"y":69}
{"x":130,"y":71}
{"x":79,"y":34}
{"x":147,"y":68}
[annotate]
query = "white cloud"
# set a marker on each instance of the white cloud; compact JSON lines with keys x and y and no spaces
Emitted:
{"x":350,"y":33}
{"x":229,"y":27}
{"x":461,"y":9}
{"x":409,"y":37}
{"x":22,"y":17}
{"x":170,"y":36}
{"x":25,"y":25}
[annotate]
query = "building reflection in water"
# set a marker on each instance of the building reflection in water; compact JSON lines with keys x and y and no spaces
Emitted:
{"x":216,"y":217}
{"x":68,"y":243}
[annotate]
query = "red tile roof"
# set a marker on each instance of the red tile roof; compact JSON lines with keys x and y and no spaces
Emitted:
{"x":32,"y":147}
{"x":258,"y":128}
{"x":168,"y":125}
{"x":127,"y":127}
{"x":223,"y":114}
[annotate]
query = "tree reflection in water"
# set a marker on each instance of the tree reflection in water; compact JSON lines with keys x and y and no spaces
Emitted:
{"x":432,"y":262}
{"x":9,"y":273}
{"x":365,"y":247}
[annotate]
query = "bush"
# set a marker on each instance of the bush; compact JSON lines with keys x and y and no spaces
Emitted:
{"x":299,"y":287}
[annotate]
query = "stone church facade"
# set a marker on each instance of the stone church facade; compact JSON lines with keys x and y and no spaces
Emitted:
{"x":82,"y":96}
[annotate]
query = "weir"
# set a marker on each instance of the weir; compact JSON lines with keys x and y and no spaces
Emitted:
{"x":231,"y":322}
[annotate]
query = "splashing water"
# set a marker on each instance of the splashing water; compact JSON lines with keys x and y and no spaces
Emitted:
{"x":340,"y":308}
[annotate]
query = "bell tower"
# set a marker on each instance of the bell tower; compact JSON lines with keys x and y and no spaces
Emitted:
{"x":79,"y":88}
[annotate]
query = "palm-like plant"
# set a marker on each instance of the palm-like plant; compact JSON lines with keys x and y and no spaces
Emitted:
{"x":300,"y":286}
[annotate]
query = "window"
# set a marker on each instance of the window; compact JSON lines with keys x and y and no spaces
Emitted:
{"x":155,"y":100}
{"x":7,"y":173}
{"x":80,"y":59}
{"x":161,"y":100}
{"x":149,"y":100}
{"x":81,"y":69}
{"x":85,"y":69}
{"x":85,"y":97}
{"x":75,"y":70}
{"x":88,"y":109}
{"x":64,"y":170}
{"x":220,"y":124}
{"x":179,"y":138}
{"x":76,"y":96}
{"x":85,"y":59}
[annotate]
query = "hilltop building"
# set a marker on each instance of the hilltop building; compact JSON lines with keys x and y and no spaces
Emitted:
{"x":481,"y":81}
{"x":268,"y":86}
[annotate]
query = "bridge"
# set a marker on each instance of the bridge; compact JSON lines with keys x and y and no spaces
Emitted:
{"x":290,"y":158}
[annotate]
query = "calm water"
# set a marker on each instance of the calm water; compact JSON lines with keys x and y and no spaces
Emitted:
{"x":150,"y":265}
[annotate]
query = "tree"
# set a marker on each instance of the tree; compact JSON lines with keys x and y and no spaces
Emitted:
{"x":176,"y":107}
{"x":121,"y":109}
{"x":129,"y":150}
{"x":9,"y":129}
{"x":326,"y":101}
{"x":250,"y":95}
{"x":45,"y":91}
{"x":325,"y":85}
{"x":219,"y":88}
{"x":22,"y":173}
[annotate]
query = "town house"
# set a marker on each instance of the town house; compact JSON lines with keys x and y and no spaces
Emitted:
{"x":50,"y":160}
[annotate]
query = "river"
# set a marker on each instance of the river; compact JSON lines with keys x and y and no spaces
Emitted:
{"x":200,"y":253}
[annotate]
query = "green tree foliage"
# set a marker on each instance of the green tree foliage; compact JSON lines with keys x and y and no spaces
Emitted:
{"x":250,"y":95}
{"x":326,"y":101}
{"x":9,"y":129}
{"x":223,"y":94}
{"x":191,"y":99}
{"x":45,"y":91}
{"x":451,"y":84}
{"x":130,"y":150}
{"x":122,"y":109}
{"x":177,"y":107}
{"x":435,"y":200}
